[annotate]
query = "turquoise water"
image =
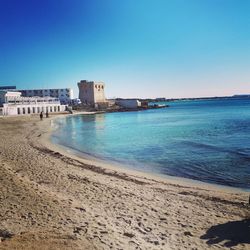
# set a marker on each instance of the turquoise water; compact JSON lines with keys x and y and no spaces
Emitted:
{"x":206,"y":140}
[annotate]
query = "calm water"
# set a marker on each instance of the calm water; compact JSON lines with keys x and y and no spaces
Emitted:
{"x":202,"y":140}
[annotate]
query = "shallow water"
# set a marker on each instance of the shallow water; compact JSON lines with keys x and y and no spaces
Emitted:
{"x":206,"y":140}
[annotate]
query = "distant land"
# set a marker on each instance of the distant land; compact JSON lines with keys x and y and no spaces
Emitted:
{"x":163,"y":99}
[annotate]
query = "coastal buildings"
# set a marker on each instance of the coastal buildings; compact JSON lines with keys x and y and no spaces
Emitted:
{"x":128,"y":103}
{"x":75,"y":102}
{"x":92,"y":93}
{"x":160,"y":99}
{"x":8,"y":96}
{"x":64,"y":95}
{"x":12,"y":103}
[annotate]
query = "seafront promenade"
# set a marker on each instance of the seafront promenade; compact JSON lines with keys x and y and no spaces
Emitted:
{"x":51,"y":199}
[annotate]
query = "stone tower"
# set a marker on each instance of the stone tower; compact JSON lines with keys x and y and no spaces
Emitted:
{"x":92,"y":93}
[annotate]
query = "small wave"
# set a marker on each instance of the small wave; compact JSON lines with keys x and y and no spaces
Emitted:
{"x":198,"y":145}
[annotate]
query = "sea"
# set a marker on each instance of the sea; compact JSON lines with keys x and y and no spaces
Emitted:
{"x":204,"y":140}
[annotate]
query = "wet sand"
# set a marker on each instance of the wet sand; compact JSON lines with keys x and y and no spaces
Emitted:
{"x":50,"y":199}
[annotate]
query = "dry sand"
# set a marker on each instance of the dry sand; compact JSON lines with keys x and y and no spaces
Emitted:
{"x":51,"y":200}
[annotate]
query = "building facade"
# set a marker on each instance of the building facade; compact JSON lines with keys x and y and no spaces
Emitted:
{"x":92,"y":93}
{"x":64,"y":95}
{"x":128,"y":103}
{"x":12,"y":103}
{"x":8,"y":96}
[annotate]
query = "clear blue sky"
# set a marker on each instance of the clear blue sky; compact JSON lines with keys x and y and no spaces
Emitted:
{"x":144,"y":48}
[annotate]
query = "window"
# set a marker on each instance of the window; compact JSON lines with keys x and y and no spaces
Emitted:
{"x":18,"y":111}
{"x":51,"y":109}
{"x":23,"y":110}
{"x":28,"y":110}
{"x":58,"y":108}
{"x":38,"y":109}
{"x":54,"y":108}
{"x":34,"y":110}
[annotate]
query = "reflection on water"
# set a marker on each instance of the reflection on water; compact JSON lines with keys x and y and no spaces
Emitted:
{"x":202,"y":140}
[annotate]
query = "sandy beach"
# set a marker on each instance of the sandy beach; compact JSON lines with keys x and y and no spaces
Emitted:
{"x":50,"y":199}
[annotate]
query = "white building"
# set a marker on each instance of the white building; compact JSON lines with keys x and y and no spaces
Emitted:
{"x":75,"y":102}
{"x":128,"y":103}
{"x":64,"y":95}
{"x":12,"y":103}
{"x":92,"y":93}
{"x":8,"y":96}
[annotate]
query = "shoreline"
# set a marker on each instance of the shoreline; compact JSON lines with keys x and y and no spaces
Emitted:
{"x":118,"y":166}
{"x":51,"y":198}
